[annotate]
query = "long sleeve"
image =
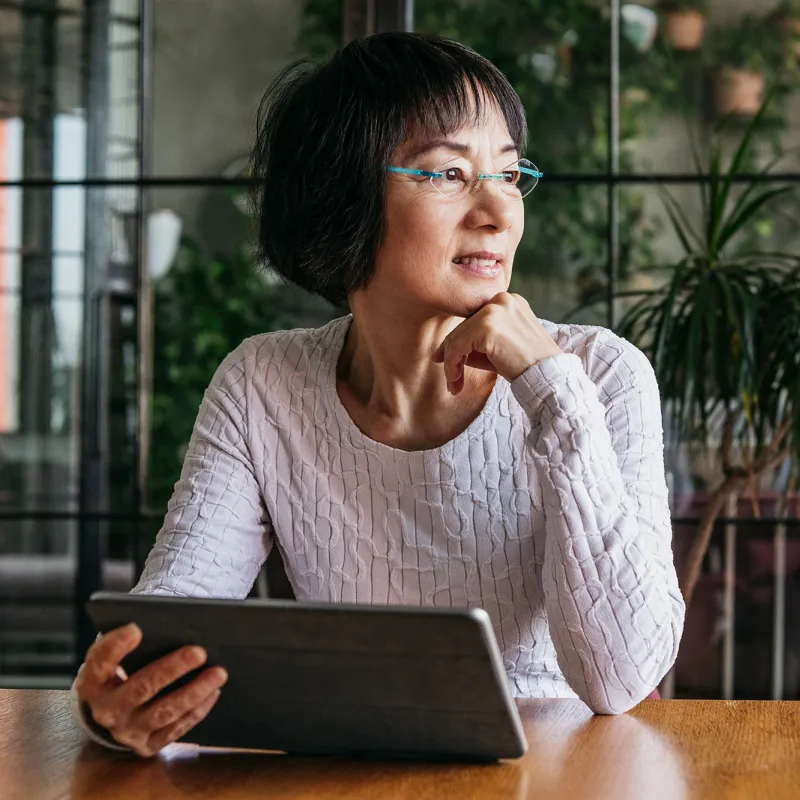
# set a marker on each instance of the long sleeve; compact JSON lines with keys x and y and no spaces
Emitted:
{"x":216,"y":534}
{"x":614,"y":608}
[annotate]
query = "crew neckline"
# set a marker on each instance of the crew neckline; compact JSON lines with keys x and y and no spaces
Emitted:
{"x":475,"y":429}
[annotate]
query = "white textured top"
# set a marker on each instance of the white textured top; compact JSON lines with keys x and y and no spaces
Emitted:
{"x":550,"y":511}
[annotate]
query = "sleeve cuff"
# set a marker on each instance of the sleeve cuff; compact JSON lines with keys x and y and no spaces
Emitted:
{"x":558,"y":384}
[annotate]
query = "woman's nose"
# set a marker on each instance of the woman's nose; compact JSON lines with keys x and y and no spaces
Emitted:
{"x":490,"y":205}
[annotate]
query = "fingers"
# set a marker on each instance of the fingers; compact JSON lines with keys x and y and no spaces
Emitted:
{"x":454,"y":363}
{"x":167,"y":710}
{"x":147,"y":682}
{"x":161,"y":738}
{"x":480,"y":361}
{"x":466,"y":345}
{"x":166,"y":720}
{"x":457,"y":379}
{"x":112,"y":707}
{"x":523,"y":305}
{"x":504,"y":337}
{"x":103,"y":660}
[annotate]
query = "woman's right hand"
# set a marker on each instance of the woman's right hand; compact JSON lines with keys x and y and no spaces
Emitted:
{"x":125,"y":706}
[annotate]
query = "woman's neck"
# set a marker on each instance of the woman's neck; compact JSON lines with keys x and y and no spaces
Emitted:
{"x":389,"y":382}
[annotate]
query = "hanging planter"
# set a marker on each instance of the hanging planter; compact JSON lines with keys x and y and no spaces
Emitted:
{"x":639,"y":25}
{"x":739,"y":91}
{"x":685,"y":27}
{"x":747,"y":56}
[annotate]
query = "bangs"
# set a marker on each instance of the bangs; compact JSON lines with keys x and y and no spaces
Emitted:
{"x":437,"y":90}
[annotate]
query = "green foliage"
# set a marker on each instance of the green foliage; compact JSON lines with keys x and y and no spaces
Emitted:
{"x":787,"y":8}
{"x":753,"y":44}
{"x":321,"y":30}
{"x":723,"y":332}
{"x":203,"y":308}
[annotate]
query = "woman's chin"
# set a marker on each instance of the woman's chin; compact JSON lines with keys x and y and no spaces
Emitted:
{"x":476,"y":299}
{"x":462,"y":299}
{"x":466,"y":306}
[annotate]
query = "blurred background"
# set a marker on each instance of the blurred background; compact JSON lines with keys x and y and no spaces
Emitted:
{"x":127,"y":271}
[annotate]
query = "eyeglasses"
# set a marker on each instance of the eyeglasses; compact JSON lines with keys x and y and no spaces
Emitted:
{"x":517,"y":180}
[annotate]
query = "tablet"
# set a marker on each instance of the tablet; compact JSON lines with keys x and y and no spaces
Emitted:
{"x":355,"y":680}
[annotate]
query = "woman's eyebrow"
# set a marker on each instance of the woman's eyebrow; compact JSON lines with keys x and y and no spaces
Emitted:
{"x":456,"y":147}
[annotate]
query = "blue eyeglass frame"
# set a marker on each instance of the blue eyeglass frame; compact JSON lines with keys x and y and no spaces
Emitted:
{"x":482,"y":176}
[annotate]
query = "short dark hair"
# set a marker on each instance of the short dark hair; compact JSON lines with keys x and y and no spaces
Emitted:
{"x":325,"y":133}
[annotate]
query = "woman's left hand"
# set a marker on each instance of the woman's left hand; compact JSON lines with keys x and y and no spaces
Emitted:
{"x":505,"y":337}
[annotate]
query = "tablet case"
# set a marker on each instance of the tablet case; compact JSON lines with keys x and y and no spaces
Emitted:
{"x":368,"y":681}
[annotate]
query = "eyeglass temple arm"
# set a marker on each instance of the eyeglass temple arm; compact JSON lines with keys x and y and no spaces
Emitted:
{"x":406,"y":171}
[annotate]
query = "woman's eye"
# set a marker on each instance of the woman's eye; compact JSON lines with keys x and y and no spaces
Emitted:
{"x":511,"y":176}
{"x":452,"y":174}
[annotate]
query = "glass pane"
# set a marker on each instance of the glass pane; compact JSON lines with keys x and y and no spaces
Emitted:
{"x":122,"y":132}
{"x":127,"y":9}
{"x":562,"y":259}
{"x":42,"y":92}
{"x":52,"y":243}
{"x":212,"y":63}
{"x":41,"y":320}
{"x":556,"y":56}
{"x":10,"y":89}
{"x":58,"y":246}
{"x":686,"y":69}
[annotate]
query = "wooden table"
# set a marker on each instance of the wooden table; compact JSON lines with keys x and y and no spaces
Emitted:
{"x":662,"y":749}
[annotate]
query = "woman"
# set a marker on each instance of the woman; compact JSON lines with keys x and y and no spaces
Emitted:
{"x":439,"y":446}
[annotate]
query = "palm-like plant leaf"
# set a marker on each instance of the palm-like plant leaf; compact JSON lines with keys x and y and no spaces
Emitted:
{"x":689,"y":238}
{"x":743,"y":213}
{"x":723,"y":333}
{"x":734,"y":170}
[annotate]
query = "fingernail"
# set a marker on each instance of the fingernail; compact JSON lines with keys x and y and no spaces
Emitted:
{"x":222,"y":676}
{"x":132,"y":629}
{"x":197,"y":654}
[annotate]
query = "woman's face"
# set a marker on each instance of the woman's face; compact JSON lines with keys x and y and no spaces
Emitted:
{"x":450,"y":254}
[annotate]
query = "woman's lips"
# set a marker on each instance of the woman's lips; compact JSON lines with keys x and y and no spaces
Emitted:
{"x":484,"y":267}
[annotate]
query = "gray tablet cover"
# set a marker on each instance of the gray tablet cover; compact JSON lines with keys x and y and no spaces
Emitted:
{"x":370,"y":681}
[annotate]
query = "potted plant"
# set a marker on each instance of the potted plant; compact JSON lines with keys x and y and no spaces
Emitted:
{"x":685,"y":23}
{"x":723,"y":334}
{"x":745,"y":56}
